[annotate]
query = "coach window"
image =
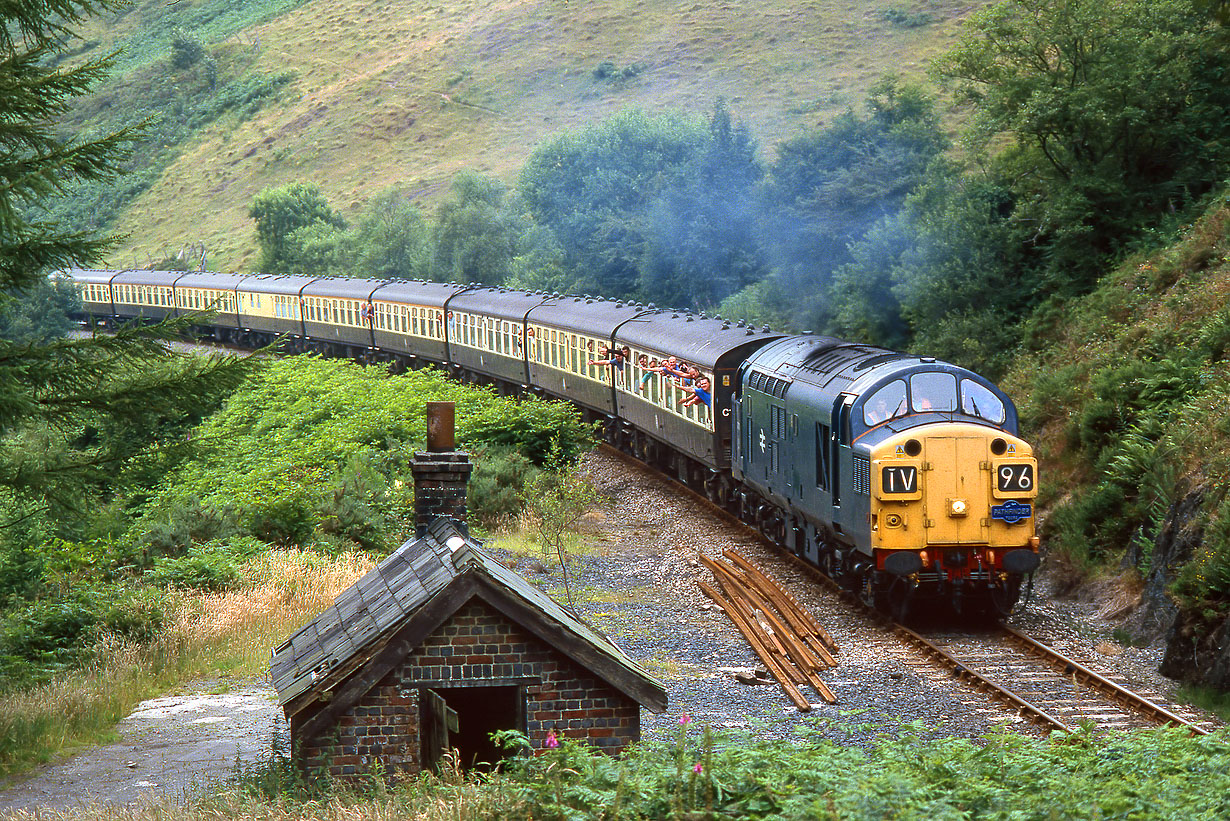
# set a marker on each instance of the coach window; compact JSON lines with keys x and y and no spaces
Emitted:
{"x":933,"y":392}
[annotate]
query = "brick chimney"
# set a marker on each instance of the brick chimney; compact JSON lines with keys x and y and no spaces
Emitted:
{"x":441,"y":472}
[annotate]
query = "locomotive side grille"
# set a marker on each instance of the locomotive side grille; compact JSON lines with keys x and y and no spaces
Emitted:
{"x":862,"y":475}
{"x":771,"y":385}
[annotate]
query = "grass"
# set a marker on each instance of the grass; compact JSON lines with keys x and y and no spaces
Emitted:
{"x":227,"y":633}
{"x":411,"y":93}
{"x":1207,"y":698}
{"x":704,"y":774}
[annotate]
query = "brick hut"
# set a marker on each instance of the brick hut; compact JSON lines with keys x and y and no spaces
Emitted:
{"x":441,"y":645}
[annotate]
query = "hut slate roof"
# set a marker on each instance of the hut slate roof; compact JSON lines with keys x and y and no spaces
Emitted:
{"x":402,"y":600}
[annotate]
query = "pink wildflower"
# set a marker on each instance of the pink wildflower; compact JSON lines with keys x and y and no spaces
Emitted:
{"x":698,"y":768}
{"x":552,"y":741}
{"x":685,"y":719}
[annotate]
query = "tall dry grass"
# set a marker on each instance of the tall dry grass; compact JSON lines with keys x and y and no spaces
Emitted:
{"x":228,"y":633}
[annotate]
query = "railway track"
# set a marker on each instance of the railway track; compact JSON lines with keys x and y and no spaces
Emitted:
{"x":1044,"y":686}
{"x":1041,"y":684}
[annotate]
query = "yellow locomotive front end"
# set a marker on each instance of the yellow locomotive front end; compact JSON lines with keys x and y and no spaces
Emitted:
{"x":952,"y":512}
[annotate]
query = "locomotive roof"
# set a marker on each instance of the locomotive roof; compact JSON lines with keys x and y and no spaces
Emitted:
{"x":209,"y":279}
{"x":274,"y":283}
{"x":699,"y":341}
{"x":586,"y":315}
{"x":342,"y":287}
{"x":416,"y":292}
{"x":140,"y":276}
{"x":826,"y":361}
{"x":498,"y":302}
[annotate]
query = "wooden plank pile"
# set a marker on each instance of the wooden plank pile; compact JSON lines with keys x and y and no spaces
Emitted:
{"x":792,"y":645}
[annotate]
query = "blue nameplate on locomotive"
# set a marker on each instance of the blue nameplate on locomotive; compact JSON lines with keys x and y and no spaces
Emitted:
{"x":1011,"y":512}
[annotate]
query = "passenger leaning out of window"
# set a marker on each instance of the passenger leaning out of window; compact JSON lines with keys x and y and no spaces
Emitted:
{"x":615,"y":358}
{"x":698,"y":394}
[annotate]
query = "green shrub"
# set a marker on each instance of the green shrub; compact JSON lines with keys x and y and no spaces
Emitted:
{"x":186,"y":49}
{"x":182,"y":521}
{"x":496,"y":485}
{"x":1093,"y":524}
{"x":1203,"y":585}
{"x":49,"y":635}
{"x":288,"y":521}
{"x":201,"y":569}
{"x":905,"y":18}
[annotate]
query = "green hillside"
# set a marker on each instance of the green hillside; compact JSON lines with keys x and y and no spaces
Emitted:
{"x":1124,"y":396}
{"x":358,"y":96}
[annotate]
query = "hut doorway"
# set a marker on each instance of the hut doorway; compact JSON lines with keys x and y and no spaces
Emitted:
{"x":463,"y":718}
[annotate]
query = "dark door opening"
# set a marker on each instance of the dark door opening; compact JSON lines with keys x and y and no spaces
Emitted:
{"x":480,"y":712}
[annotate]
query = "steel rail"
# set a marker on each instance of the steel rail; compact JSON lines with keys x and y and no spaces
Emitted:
{"x":1116,"y":693}
{"x":1030,"y":711}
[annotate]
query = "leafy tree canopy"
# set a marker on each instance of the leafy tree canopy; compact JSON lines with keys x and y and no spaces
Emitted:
{"x":1118,"y":113}
{"x":71,"y":410}
{"x":477,"y":231}
{"x":279,"y":214}
{"x":592,"y":187}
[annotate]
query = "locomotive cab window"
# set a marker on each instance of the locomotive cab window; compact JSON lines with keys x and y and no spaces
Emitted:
{"x":977,"y":400}
{"x":886,"y":403}
{"x":933,"y":392}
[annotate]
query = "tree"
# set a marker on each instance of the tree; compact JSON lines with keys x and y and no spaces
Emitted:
{"x":392,"y":239}
{"x":828,"y":187}
{"x":1117,"y":113}
{"x":558,"y":499}
{"x":594,"y":189}
{"x":35,"y":163}
{"x":701,"y":242}
{"x":477,"y":232}
{"x":71,"y":410}
{"x":41,"y":314}
{"x":279,"y":213}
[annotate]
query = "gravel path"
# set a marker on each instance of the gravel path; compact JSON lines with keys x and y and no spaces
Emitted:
{"x":638,"y":584}
{"x":173,"y":745}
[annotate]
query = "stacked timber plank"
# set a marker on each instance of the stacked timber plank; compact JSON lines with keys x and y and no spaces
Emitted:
{"x":792,"y":645}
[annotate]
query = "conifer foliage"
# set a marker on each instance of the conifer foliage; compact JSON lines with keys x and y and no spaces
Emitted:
{"x":71,"y":409}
